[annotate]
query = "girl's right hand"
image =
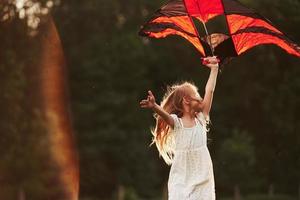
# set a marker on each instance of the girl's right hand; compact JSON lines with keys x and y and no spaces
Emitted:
{"x":149,"y":102}
{"x":211,"y":62}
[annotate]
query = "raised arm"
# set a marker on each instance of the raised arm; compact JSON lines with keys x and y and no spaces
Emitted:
{"x":150,"y":103}
{"x":210,"y":85}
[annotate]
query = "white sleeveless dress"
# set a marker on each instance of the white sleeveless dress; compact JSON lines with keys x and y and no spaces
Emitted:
{"x":191,"y":175}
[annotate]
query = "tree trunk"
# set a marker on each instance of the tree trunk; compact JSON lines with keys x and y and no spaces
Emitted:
{"x":237,"y":193}
{"x":55,"y":97}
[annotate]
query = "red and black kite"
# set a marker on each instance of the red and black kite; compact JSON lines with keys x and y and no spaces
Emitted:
{"x":246,"y":27}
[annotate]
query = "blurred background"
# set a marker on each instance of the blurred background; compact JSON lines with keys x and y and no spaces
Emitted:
{"x":72,"y":74}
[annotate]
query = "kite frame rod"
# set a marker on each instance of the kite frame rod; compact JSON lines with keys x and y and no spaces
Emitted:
{"x":207,"y":35}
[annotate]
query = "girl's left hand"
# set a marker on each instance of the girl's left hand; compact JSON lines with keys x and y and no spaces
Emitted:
{"x":149,"y":102}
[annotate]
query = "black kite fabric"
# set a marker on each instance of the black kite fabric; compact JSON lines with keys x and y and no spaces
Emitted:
{"x":246,"y":27}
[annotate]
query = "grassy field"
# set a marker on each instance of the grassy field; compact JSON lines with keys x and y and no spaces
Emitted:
{"x":263,"y":197}
{"x":248,"y":197}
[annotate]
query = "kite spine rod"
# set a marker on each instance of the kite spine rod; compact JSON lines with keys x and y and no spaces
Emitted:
{"x":207,"y":35}
{"x":194,"y":26}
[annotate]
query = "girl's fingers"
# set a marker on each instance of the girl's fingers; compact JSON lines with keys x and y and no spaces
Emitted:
{"x":150,"y":93}
{"x":144,"y":105}
{"x":211,"y":59}
{"x":143,"y":102}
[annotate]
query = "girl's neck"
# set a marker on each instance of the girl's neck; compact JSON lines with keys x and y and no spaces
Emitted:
{"x":187,"y":115}
{"x":188,"y":112}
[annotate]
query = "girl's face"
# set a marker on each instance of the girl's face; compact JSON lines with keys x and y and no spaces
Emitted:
{"x":195,"y":101}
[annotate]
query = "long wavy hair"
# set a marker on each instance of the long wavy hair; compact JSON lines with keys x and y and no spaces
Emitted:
{"x":172,"y":103}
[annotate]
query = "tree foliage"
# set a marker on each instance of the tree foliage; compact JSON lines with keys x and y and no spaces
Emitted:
{"x":110,"y":68}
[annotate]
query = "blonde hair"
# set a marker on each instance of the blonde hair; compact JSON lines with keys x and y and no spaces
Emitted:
{"x":172,"y":104}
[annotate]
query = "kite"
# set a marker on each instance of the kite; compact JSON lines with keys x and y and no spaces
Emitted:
{"x":246,"y":27}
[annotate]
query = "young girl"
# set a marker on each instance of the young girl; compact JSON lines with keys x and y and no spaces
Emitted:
{"x":180,"y":137}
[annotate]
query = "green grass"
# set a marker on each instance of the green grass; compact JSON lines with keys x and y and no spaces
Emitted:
{"x":263,"y":197}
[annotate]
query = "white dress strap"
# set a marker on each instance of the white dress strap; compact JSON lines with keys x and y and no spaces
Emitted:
{"x":197,"y":121}
{"x":200,"y":119}
{"x":177,"y":123}
{"x":180,"y":121}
